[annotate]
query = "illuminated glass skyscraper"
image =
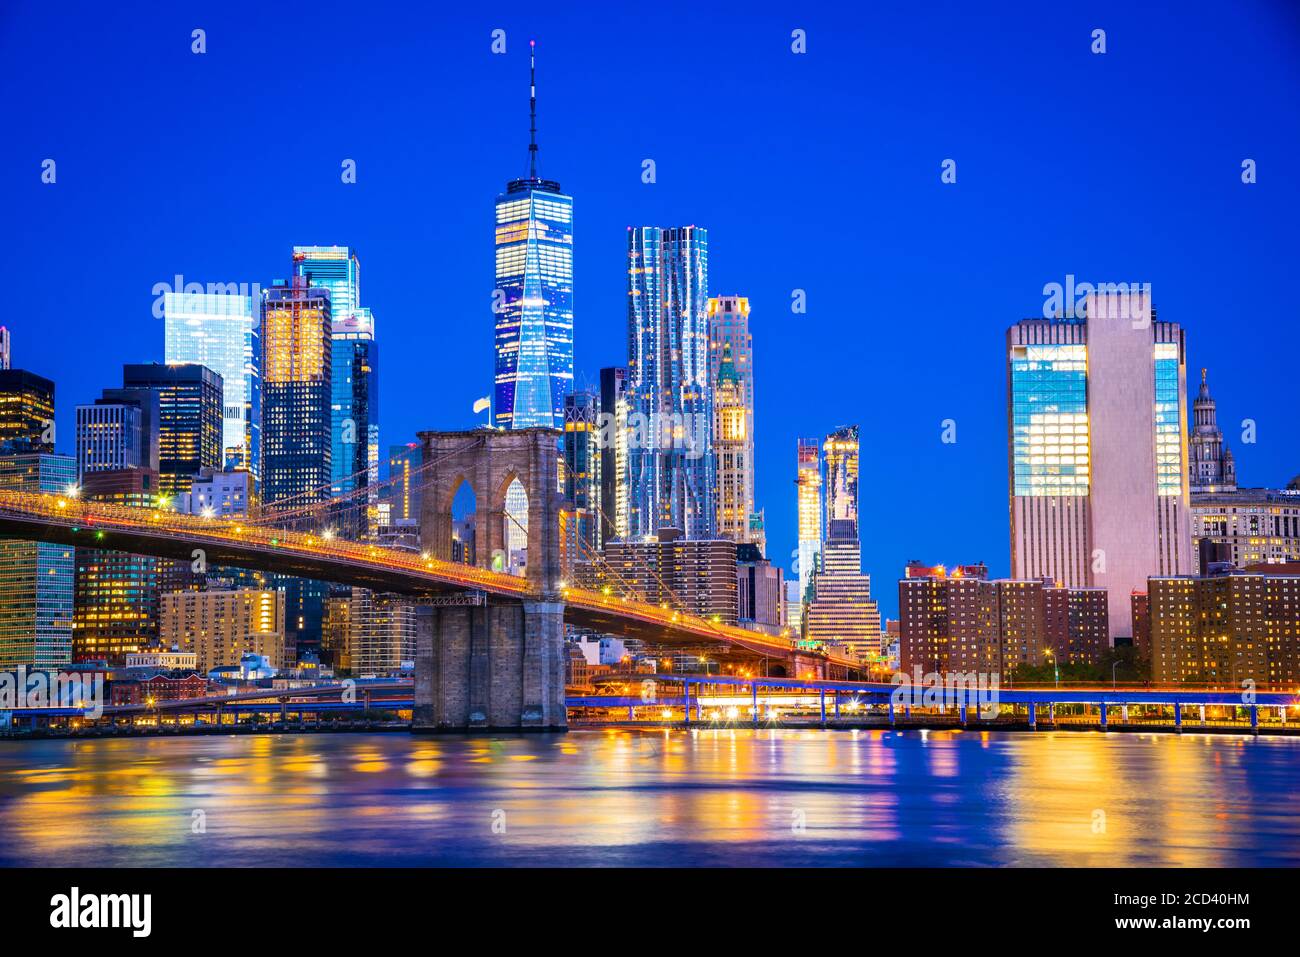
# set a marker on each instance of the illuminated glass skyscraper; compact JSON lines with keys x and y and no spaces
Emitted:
{"x":296,"y":451}
{"x":189,"y":418}
{"x":671,"y":461}
{"x":222,"y":332}
{"x":808,"y":482}
{"x":36,"y":578}
{"x":354,"y":386}
{"x":1098,"y":449}
{"x":533,"y":301}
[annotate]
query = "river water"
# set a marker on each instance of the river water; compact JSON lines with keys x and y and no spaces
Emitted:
{"x":620,"y":797}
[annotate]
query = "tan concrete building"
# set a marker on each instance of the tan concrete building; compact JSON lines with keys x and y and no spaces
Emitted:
{"x":1098,"y":449}
{"x":220,"y":626}
{"x":1226,"y":629}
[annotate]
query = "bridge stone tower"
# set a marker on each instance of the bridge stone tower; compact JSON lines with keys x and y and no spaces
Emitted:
{"x":498,"y":664}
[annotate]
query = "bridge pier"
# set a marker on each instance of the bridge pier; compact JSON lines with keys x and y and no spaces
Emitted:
{"x":494,"y":666}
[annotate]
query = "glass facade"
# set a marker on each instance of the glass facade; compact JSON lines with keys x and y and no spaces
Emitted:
{"x":222,"y":332}
{"x":189,"y":419}
{"x":36,"y":578}
{"x":808,"y":482}
{"x":1169,"y":430}
{"x":1049,"y":419}
{"x":26,"y":412}
{"x":354,"y":388}
{"x":582,"y":461}
{"x":533,"y":304}
{"x":296,"y":448}
{"x":671,"y":461}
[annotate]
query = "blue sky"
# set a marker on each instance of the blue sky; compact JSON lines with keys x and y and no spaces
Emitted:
{"x":818,"y":172}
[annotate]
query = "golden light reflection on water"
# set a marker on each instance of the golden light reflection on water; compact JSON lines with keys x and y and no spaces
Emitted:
{"x":705,"y":796}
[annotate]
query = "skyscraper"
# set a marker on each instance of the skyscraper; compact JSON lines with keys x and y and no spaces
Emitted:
{"x":111,"y":435}
{"x":36,"y":578}
{"x":613,"y":453}
{"x":296,"y":440}
{"x":582,"y":455}
{"x":297,"y":449}
{"x":731,"y":354}
{"x":808,"y":483}
{"x":26,"y":412}
{"x":4,"y":347}
{"x":189,"y":419}
{"x":1098,"y":449}
{"x":116,"y":594}
{"x":222,"y":332}
{"x":533,"y":302}
{"x":671,"y":461}
{"x":841,"y":609}
{"x":354,"y":388}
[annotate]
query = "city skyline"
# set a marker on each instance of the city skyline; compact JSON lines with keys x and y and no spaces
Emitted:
{"x":964,"y":361}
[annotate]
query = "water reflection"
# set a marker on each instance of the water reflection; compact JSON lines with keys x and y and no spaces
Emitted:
{"x":700,"y":797}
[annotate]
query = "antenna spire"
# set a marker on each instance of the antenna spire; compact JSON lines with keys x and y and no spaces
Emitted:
{"x":532,"y":109}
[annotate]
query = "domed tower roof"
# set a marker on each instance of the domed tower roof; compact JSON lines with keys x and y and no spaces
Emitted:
{"x":1204,"y":417}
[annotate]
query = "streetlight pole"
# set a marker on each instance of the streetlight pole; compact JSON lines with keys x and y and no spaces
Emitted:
{"x":1113,"y":666}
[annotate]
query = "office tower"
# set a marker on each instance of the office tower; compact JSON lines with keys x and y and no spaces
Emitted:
{"x":189,"y":419}
{"x":336,"y":633}
{"x":697,"y":576}
{"x":333,"y":268}
{"x":733,"y":451}
{"x":1210,"y":464}
{"x":354,"y":388}
{"x":613,"y":434}
{"x":760,"y":591}
{"x":297,"y":447}
{"x":1098,"y":449}
{"x":219,"y":495}
{"x":354,"y":420}
{"x":382,"y":633}
{"x":582,"y":455}
{"x":223,"y":333}
{"x":671,"y":462}
{"x":110,"y":437}
{"x":808,"y":483}
{"x":840,"y":452}
{"x":841,"y":610}
{"x":220,"y":626}
{"x":116,"y":594}
{"x":296,"y":389}
{"x":36,"y":578}
{"x":533,"y":301}
{"x":1227,"y":629}
{"x":731,"y":348}
{"x":405,"y":481}
{"x":26,"y":412}
{"x":4,"y":347}
{"x":794,"y":607}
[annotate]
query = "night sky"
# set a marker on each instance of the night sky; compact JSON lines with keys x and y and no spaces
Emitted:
{"x":818,"y":172}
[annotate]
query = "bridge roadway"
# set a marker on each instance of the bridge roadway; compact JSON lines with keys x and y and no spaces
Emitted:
{"x":66,"y":520}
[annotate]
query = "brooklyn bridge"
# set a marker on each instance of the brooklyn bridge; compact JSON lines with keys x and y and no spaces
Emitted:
{"x":490,"y":645}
